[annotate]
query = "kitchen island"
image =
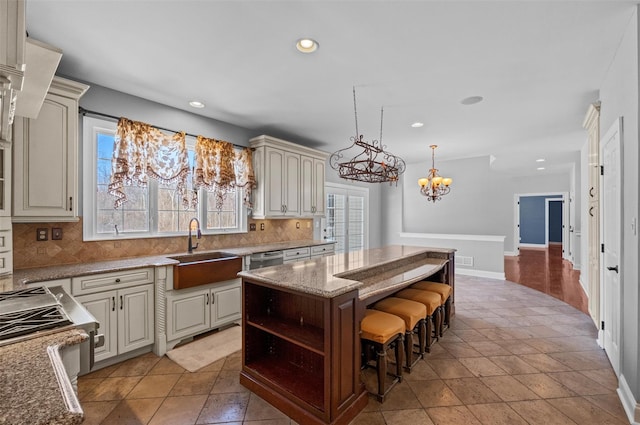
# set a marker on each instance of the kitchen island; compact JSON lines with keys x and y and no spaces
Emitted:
{"x":301,"y":344}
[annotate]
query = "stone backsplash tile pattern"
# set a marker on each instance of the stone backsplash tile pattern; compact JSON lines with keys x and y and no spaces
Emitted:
{"x":28,"y":253}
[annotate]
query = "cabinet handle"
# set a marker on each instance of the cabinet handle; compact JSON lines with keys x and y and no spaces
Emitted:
{"x":591,"y":191}
{"x":590,"y":209}
{"x":113,"y":303}
{"x":285,"y":208}
{"x":207,"y":302}
{"x":70,"y":203}
{"x":281,"y":208}
{"x":118,"y":280}
{"x":120,"y":302}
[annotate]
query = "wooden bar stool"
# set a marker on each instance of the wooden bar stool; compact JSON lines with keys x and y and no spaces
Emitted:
{"x":431,"y":301}
{"x":382,"y":331}
{"x":413,"y":313}
{"x":445,"y":294}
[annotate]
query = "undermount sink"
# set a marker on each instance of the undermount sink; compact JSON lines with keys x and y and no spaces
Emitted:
{"x":204,"y":268}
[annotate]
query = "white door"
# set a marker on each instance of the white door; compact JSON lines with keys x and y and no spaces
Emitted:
{"x":611,"y":236}
{"x":347,"y":217}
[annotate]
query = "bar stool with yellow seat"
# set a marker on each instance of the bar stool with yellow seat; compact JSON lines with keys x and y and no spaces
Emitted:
{"x":431,"y":301}
{"x":445,"y":292}
{"x":381,"y":331}
{"x":413,"y":313}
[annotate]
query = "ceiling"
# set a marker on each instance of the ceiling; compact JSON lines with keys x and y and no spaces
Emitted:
{"x":538,"y":65}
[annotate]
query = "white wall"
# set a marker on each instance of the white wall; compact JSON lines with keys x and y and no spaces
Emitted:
{"x":619,"y":96}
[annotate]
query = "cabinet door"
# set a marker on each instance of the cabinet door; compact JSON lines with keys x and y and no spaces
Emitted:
{"x":187,"y":313}
{"x":318,"y":187}
{"x":274,"y":184}
{"x":135,"y":318}
{"x":227,"y":304}
{"x":45,"y":161}
{"x":5,"y":181}
{"x":307,"y":195}
{"x":291,"y":188}
{"x":103,"y":307}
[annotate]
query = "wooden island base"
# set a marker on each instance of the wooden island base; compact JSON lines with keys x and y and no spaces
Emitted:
{"x":301,"y":326}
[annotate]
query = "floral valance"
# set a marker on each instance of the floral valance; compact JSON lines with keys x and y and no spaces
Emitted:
{"x":142,"y":151}
{"x":245,"y":177}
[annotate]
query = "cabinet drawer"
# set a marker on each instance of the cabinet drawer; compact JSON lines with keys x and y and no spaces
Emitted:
{"x":107,"y":281}
{"x":296,"y":254}
{"x":321,"y":250}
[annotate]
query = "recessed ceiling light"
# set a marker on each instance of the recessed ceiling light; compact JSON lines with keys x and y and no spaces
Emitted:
{"x":307,"y":45}
{"x":196,"y":104}
{"x":540,"y":160}
{"x":417,"y":124}
{"x":472,"y":100}
{"x":540,"y":168}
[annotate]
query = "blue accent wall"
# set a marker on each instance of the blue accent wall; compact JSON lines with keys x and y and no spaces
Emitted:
{"x":555,"y":221}
{"x":532,"y":219}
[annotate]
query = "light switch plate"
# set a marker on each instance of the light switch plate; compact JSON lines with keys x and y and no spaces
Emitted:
{"x":56,"y":234}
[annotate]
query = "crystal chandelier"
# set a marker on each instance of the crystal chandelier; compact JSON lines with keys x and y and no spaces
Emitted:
{"x":370,"y":162}
{"x":433,"y":186}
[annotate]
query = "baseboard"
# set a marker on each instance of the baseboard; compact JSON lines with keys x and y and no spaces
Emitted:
{"x":480,"y":273}
{"x":629,"y":403}
{"x":511,"y":254}
{"x":533,"y":245}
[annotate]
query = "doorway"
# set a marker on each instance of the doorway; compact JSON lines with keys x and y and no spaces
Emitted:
{"x":536,"y":215}
{"x":347,"y":220}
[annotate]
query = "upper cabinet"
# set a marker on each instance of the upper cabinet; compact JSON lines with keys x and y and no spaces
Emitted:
{"x":12,"y":60}
{"x":290,"y":179}
{"x":45,"y":171}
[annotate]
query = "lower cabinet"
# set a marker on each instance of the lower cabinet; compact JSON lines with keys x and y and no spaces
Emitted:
{"x":193,"y":311}
{"x":126,"y":319}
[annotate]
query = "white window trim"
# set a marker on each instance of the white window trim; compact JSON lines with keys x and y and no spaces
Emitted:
{"x":91,"y":126}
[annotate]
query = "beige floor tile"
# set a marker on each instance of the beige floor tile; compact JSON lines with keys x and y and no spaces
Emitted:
{"x":496,"y":414}
{"x":545,"y":345}
{"x":489,"y":348}
{"x":579,"y":383}
{"x":544,"y":386}
{"x":102,"y":373}
{"x":369,"y":418}
{"x":458,"y":350}
{"x":606,"y":377}
{"x":233,"y":362}
{"x":112,"y":388}
{"x":166,"y":366}
{"x":285,"y":421}
{"x":133,"y":412}
{"x":611,"y":403}
{"x":228,"y":381}
{"x":213,"y":367}
{"x":401,"y":397}
{"x":482,"y":366}
{"x":179,"y":410}
{"x":259,"y":410}
{"x":539,"y":412}
{"x":472,"y":391}
{"x":508,"y":388}
{"x":228,"y":407}
{"x":517,"y":347}
{"x":420,"y":372}
{"x":544,"y":362}
{"x":138,"y":366}
{"x":449,"y":368}
{"x":96,"y":411}
{"x":407,"y":416}
{"x":434,"y":393}
{"x":154,"y":386}
{"x":85,"y":385}
{"x":452,"y":415}
{"x":513,"y":365}
{"x":584,"y":412}
{"x":194,"y":383}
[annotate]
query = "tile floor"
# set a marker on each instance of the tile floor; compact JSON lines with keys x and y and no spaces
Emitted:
{"x":512,"y":356}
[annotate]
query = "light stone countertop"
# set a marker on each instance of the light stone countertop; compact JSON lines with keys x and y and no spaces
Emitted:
{"x":35,"y":388}
{"x":370,"y":271}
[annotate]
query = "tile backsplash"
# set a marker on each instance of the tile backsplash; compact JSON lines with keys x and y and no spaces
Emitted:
{"x":71,"y":249}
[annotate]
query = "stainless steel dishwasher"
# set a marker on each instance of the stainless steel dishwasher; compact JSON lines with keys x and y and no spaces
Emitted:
{"x":265,"y":259}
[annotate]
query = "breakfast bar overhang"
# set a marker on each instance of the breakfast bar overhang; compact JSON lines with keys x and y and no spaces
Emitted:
{"x":301,"y":325}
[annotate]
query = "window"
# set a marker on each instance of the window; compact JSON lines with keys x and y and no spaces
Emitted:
{"x":347,"y":217}
{"x":153,"y":211}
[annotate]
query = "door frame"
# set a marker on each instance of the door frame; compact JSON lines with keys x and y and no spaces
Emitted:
{"x":565,"y":221}
{"x":347,"y":190}
{"x":546,"y":221}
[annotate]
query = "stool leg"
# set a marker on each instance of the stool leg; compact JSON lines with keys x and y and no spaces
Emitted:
{"x":408,"y":349}
{"x":428,"y":323}
{"x":436,"y":323}
{"x":422,"y":334}
{"x":399,"y":355}
{"x":447,"y":312}
{"x":381,"y":366}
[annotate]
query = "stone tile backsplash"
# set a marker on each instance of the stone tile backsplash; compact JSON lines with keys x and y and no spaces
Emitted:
{"x":28,"y":253}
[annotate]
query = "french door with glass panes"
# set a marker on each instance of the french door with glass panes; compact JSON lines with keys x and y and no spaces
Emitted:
{"x":347,"y":217}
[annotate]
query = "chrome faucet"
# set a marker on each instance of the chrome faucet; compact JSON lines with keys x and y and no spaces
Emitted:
{"x":190,"y":246}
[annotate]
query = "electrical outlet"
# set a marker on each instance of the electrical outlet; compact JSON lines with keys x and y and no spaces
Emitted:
{"x":252,"y":227}
{"x":261,"y":226}
{"x":56,"y":234}
{"x":297,"y":224}
{"x":42,"y":234}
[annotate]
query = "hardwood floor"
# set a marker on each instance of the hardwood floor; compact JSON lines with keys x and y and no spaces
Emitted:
{"x":546,"y":271}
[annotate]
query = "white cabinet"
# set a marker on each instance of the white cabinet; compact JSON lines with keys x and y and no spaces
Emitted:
{"x":295,"y":254}
{"x":312,"y":171}
{"x":45,"y":172}
{"x":12,"y":60}
{"x":290,"y":179}
{"x":123,"y":303}
{"x":125,"y":316}
{"x":323,"y":250}
{"x":193,"y":311}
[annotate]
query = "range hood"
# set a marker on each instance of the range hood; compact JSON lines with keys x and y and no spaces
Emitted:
{"x":41,"y":63}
